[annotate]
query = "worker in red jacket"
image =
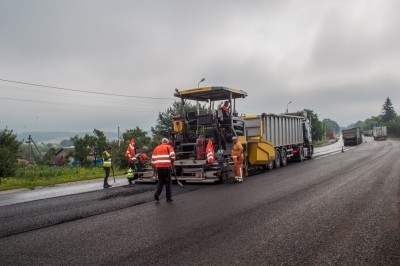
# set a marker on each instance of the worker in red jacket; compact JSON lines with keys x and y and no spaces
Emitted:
{"x":225,"y":109}
{"x":163,"y":160}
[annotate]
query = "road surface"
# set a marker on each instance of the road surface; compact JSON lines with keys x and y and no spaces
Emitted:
{"x":341,"y":209}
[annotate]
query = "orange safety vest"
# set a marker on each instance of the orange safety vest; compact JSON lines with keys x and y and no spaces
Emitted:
{"x":210,"y":152}
{"x":130,"y":152}
{"x":163,"y":156}
{"x":143,"y":157}
{"x":237,"y":152}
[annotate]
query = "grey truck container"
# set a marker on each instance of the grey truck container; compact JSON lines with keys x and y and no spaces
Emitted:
{"x":379,"y":133}
{"x":290,"y":134}
{"x":352,"y":136}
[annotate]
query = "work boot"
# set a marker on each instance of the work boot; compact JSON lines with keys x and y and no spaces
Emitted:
{"x":156,"y":197}
{"x":107,"y":186}
{"x":169,"y":200}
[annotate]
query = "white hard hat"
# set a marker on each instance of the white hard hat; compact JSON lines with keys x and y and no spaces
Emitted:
{"x":164,"y":140}
{"x":234,"y":137}
{"x":144,"y":148}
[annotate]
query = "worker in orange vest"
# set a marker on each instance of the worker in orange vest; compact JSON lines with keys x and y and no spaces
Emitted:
{"x":238,"y":158}
{"x":210,"y":152}
{"x":130,"y":153}
{"x":143,"y":158}
{"x":163,"y":160}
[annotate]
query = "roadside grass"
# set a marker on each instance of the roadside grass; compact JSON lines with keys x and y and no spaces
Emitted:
{"x":36,"y":176}
{"x":322,"y":143}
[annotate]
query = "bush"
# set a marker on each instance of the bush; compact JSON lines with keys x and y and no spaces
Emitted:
{"x":9,"y":149}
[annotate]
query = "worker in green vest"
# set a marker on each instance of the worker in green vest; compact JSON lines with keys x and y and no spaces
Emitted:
{"x":107,"y":165}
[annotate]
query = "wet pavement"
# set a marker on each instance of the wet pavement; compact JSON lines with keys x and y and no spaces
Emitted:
{"x":9,"y":197}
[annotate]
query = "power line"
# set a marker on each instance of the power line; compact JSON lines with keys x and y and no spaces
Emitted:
{"x":84,"y":91}
{"x":77,"y":105}
{"x":80,"y":96}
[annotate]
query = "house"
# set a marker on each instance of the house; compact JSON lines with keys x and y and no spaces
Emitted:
{"x":63,"y":156}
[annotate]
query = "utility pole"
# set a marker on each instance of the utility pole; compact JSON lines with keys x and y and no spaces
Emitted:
{"x":31,"y":154}
{"x":119,"y":140}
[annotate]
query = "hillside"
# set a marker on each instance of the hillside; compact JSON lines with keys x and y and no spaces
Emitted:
{"x":56,"y":137}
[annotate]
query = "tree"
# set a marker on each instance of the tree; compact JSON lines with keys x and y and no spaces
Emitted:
{"x":317,"y":129}
{"x":372,"y":122}
{"x":9,"y":149}
{"x":359,"y":124}
{"x":89,"y":144}
{"x":140,"y":136}
{"x":98,"y":143}
{"x":388,"y":112}
{"x":50,"y":154}
{"x":330,"y":126}
{"x":66,"y":143}
{"x":393,"y":127}
{"x":141,"y":139}
{"x":81,"y":149}
{"x":163,"y":126}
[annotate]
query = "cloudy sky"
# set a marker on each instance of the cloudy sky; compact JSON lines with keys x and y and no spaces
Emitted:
{"x":338,"y":58}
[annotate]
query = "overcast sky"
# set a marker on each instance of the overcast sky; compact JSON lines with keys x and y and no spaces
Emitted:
{"x":338,"y":58}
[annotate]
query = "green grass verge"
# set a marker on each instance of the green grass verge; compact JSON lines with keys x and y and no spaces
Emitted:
{"x":31,"y":177}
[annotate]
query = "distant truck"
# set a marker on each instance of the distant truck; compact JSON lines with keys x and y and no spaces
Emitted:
{"x":379,"y":133}
{"x":352,"y":136}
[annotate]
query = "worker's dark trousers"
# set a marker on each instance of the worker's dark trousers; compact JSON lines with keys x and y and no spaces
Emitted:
{"x":164,"y":177}
{"x":107,"y":170}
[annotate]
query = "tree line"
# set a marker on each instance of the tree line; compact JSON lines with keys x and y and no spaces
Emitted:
{"x":388,"y":117}
{"x":94,"y":144}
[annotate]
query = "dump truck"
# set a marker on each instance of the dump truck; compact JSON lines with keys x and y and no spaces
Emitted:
{"x":290,"y":135}
{"x":379,"y":133}
{"x":352,"y":136}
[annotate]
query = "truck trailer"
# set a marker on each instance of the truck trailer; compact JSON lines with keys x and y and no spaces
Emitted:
{"x":352,"y":136}
{"x":379,"y":133}
{"x":290,"y":135}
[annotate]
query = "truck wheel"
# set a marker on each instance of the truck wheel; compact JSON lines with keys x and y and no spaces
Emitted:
{"x":283,"y":158}
{"x":277,"y":162}
{"x":222,"y":177}
{"x":270,"y":166}
{"x":311,"y":151}
{"x":301,"y":154}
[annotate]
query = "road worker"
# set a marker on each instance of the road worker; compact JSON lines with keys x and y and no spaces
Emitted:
{"x":143,"y":158}
{"x":130,"y":156}
{"x":210,"y":152}
{"x":130,"y":153}
{"x":225,"y":109}
{"x":238,"y":158}
{"x":107,"y":165}
{"x":163,"y":160}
